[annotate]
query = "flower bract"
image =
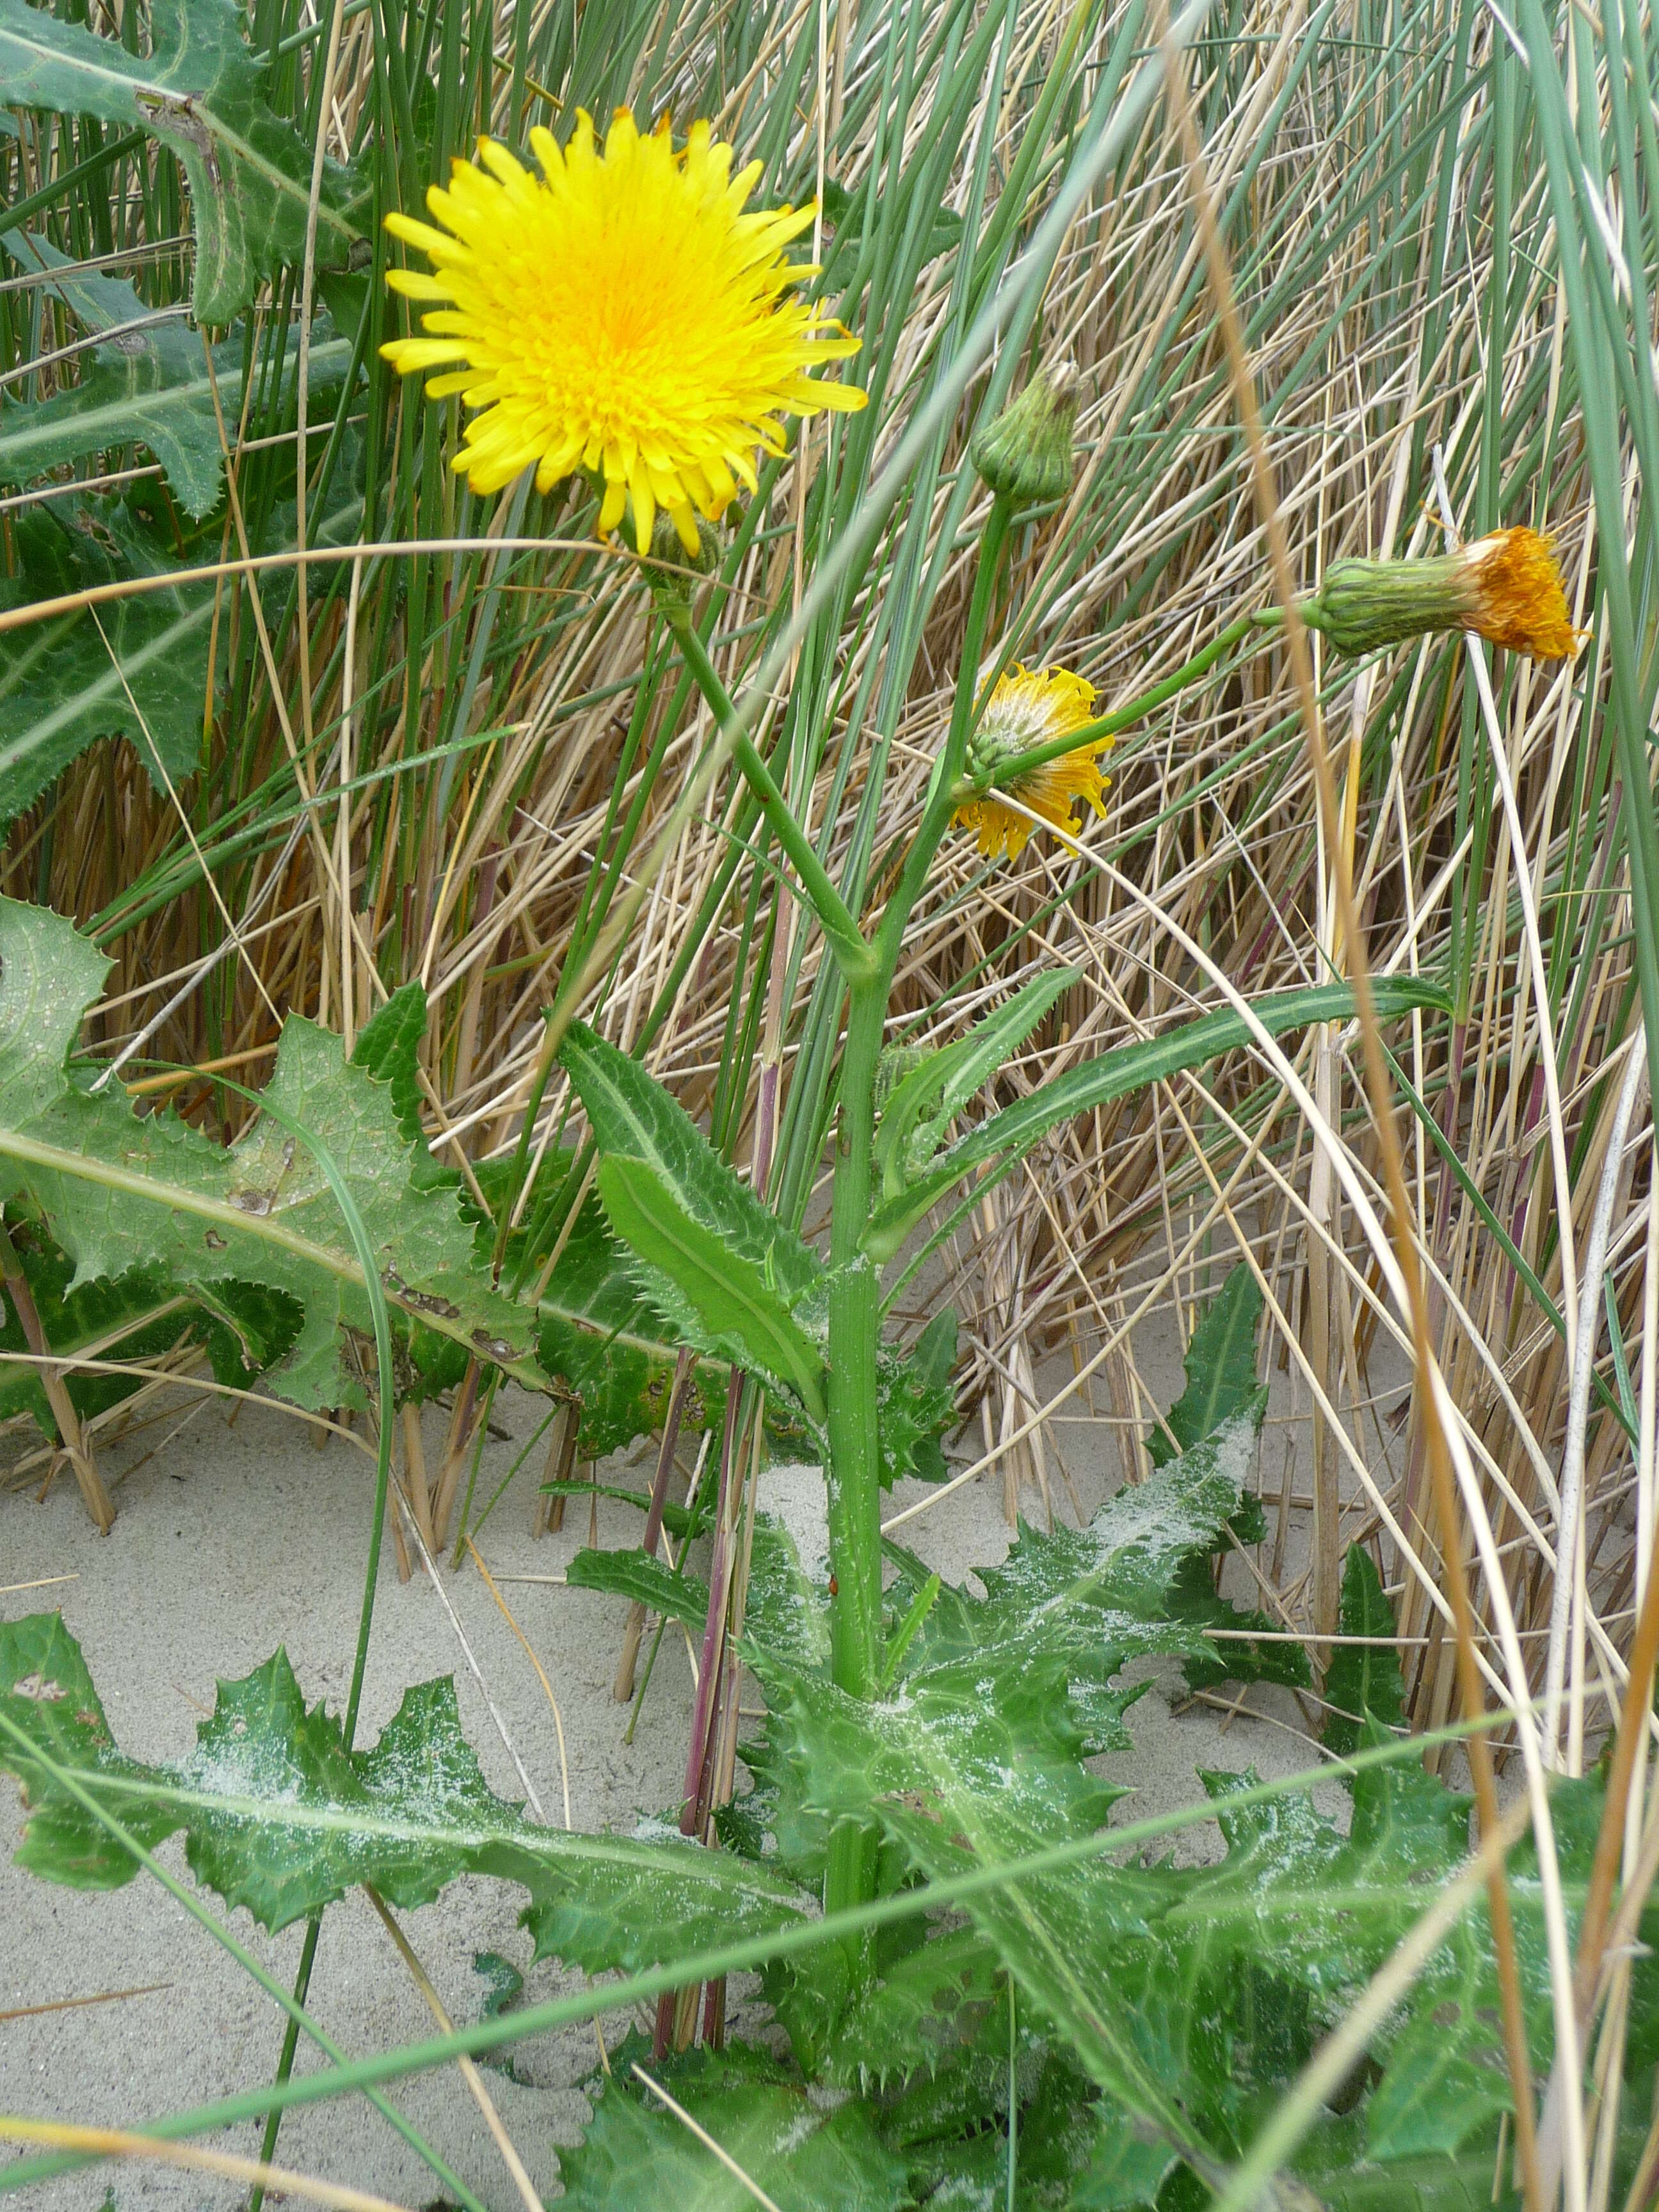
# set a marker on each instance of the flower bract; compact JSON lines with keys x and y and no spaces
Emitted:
{"x":619,"y":314}
{"x":1031,"y":708}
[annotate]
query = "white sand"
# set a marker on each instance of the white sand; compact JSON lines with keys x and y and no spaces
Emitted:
{"x":235,"y":1538}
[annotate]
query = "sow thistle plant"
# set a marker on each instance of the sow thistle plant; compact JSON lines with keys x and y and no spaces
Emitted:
{"x":981,"y":2003}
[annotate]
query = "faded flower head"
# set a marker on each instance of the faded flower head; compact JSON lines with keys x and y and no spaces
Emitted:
{"x":619,"y":314}
{"x":1507,"y":586}
{"x":1031,"y":708}
{"x":1026,"y":454}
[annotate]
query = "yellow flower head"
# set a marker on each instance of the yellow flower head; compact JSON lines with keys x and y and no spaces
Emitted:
{"x":619,"y":314}
{"x":1031,"y":708}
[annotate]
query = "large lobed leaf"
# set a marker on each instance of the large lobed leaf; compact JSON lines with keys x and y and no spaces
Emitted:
{"x":138,"y":1316}
{"x":148,"y":383}
{"x":279,"y":1817}
{"x":137,"y":666}
{"x":139,"y":671}
{"x":201,"y":92}
{"x":119,"y":1190}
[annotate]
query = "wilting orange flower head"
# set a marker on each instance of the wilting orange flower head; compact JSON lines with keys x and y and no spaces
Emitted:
{"x":1518,"y":600}
{"x":1506,"y":586}
{"x":1031,"y":708}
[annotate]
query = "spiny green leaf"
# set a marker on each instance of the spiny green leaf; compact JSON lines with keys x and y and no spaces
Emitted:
{"x":201,"y":92}
{"x":915,"y":1402}
{"x":925,"y":2006}
{"x":244,"y":1329}
{"x":139,"y":671}
{"x":389,"y":1046}
{"x":119,"y":1190}
{"x":149,"y":383}
{"x":598,"y":1334}
{"x":49,"y":975}
{"x":997,"y":1699}
{"x":1007,"y":1136}
{"x":722,"y":1301}
{"x":633,"y":1117}
{"x":787,"y":1610}
{"x":1363,"y":1681}
{"x":136,"y":667}
{"x":805,"y":2153}
{"x":725,"y":1274}
{"x":650,"y":1581}
{"x":279,"y":1817}
{"x":1220,"y":1365}
{"x":918,"y":1114}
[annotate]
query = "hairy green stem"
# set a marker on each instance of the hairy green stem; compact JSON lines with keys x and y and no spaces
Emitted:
{"x":852,"y":1477}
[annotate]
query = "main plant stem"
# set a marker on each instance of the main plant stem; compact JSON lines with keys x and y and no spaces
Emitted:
{"x":852,"y":1477}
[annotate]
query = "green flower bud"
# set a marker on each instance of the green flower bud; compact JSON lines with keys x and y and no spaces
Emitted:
{"x":1026,"y":455}
{"x":672,"y":572}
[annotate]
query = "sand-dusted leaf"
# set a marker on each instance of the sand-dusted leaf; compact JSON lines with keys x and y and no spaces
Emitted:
{"x":1006,"y":1137}
{"x":1342,"y":2179}
{"x":916,"y":1402}
{"x":148,"y":384}
{"x":1363,"y":1681}
{"x":997,"y":1700}
{"x":279,"y":1817}
{"x":808,"y":2153}
{"x":1221,"y":1385}
{"x":917,"y":1115}
{"x":975,"y":1756}
{"x":1192,"y":1996}
{"x":634,"y":1574}
{"x":200,"y":91}
{"x":787,"y":1608}
{"x":118,"y":1190}
{"x":929,"y":2002}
